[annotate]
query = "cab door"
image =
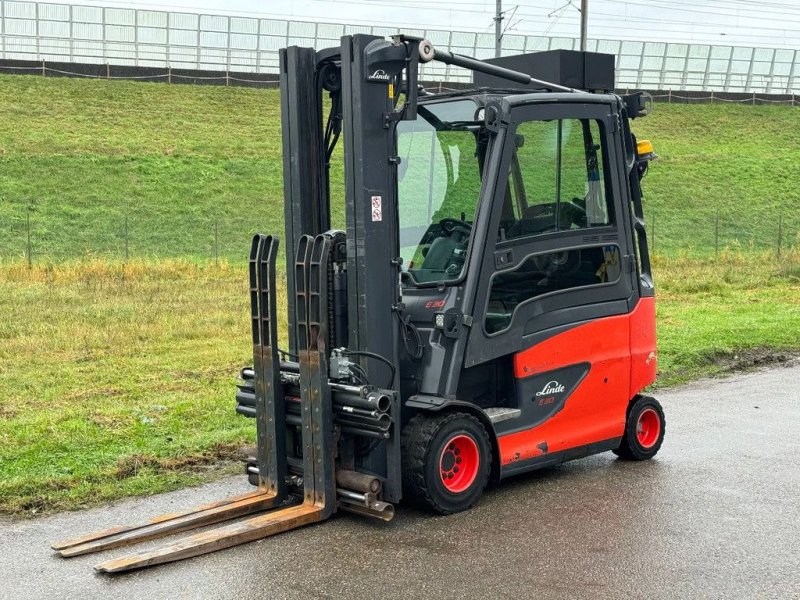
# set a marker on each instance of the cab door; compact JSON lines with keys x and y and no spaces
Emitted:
{"x":557,"y":281}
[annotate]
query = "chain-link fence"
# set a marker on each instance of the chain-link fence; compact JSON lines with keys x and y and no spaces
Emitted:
{"x":34,"y":236}
{"x":37,"y":236}
{"x":62,"y":33}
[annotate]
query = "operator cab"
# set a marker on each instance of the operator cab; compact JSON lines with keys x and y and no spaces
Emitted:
{"x":535,"y":218}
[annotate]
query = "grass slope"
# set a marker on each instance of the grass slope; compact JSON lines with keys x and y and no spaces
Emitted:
{"x":86,"y":154}
{"x":740,"y":161}
{"x":180,"y":161}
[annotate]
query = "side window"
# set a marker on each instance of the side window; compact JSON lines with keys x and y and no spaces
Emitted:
{"x":558,"y":179}
{"x":545,"y":273}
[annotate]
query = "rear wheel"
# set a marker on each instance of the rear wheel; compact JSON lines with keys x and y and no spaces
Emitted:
{"x":644,"y":430}
{"x":446,"y":461}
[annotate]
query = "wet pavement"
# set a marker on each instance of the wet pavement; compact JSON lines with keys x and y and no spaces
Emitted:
{"x":716,"y":515}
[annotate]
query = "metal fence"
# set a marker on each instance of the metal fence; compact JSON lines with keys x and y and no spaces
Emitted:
{"x":36,"y":31}
{"x":39,"y":235}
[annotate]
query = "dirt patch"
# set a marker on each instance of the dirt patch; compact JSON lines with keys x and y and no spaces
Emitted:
{"x":8,"y":412}
{"x":208,"y":373}
{"x":130,"y":466}
{"x":84,"y":394}
{"x":749,"y":359}
{"x":104,"y":421}
{"x":30,"y":502}
{"x":33,"y":504}
{"x":725,"y":363}
{"x":753,"y":358}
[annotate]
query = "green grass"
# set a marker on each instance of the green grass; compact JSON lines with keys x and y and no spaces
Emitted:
{"x":179,"y":161}
{"x":117,"y":380}
{"x":715,"y":316}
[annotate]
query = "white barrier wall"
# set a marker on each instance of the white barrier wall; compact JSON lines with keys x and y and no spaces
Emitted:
{"x":123,"y":36}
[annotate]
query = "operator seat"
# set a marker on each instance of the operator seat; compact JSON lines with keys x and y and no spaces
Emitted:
{"x":439,"y":254}
{"x":538,"y":218}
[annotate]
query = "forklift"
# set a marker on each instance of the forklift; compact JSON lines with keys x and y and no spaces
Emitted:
{"x":488,"y":309}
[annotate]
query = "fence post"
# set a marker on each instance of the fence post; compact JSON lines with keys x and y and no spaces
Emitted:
{"x":169,"y":73}
{"x":44,"y":69}
{"x":126,"y":238}
{"x":108,"y":71}
{"x":716,"y":235}
{"x":712,"y":96}
{"x":216,"y":242}
{"x":754,"y":98}
{"x":780,"y":227}
{"x":669,"y":96}
{"x":29,"y":249}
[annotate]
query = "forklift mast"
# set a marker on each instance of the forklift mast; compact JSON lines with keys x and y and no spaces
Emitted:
{"x":363,"y":109}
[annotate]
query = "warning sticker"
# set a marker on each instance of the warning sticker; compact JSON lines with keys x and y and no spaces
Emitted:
{"x":377,"y":211}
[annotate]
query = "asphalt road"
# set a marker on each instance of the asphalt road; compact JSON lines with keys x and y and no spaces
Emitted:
{"x":715,"y":515}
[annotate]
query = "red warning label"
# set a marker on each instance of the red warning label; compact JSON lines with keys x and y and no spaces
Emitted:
{"x":377,"y":210}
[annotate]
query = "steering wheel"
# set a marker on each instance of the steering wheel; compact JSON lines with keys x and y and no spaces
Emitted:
{"x":450,"y":225}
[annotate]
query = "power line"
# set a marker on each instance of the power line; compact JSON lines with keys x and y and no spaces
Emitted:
{"x":746,"y":5}
{"x":615,"y":17}
{"x":561,"y":12}
{"x":670,"y":6}
{"x":613,"y":20}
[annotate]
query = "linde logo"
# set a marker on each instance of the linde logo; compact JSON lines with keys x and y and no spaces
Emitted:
{"x":551,"y":387}
{"x":380,"y":75}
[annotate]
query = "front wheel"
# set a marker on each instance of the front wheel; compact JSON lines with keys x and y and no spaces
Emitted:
{"x":644,"y":430}
{"x":446,"y":461}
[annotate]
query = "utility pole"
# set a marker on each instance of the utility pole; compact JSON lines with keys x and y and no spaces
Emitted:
{"x":584,"y":22}
{"x":498,"y":27}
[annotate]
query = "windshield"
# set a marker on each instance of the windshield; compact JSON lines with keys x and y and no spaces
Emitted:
{"x":439,"y":180}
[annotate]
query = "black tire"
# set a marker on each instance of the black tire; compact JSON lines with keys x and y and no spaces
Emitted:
{"x":645,"y":426}
{"x":247,"y":454}
{"x":439,"y":468}
{"x":252,"y":478}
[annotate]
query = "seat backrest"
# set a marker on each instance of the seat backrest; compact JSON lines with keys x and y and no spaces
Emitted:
{"x":538,"y":218}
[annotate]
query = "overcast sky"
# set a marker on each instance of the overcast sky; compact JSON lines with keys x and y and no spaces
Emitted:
{"x":770,"y":23}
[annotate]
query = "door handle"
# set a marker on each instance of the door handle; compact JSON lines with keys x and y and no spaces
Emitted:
{"x":503,"y":258}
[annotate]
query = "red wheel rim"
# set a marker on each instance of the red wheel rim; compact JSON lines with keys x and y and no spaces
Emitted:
{"x":458,"y":463}
{"x":648,"y":428}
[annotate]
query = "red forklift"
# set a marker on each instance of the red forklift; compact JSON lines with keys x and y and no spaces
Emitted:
{"x":487,"y":310}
